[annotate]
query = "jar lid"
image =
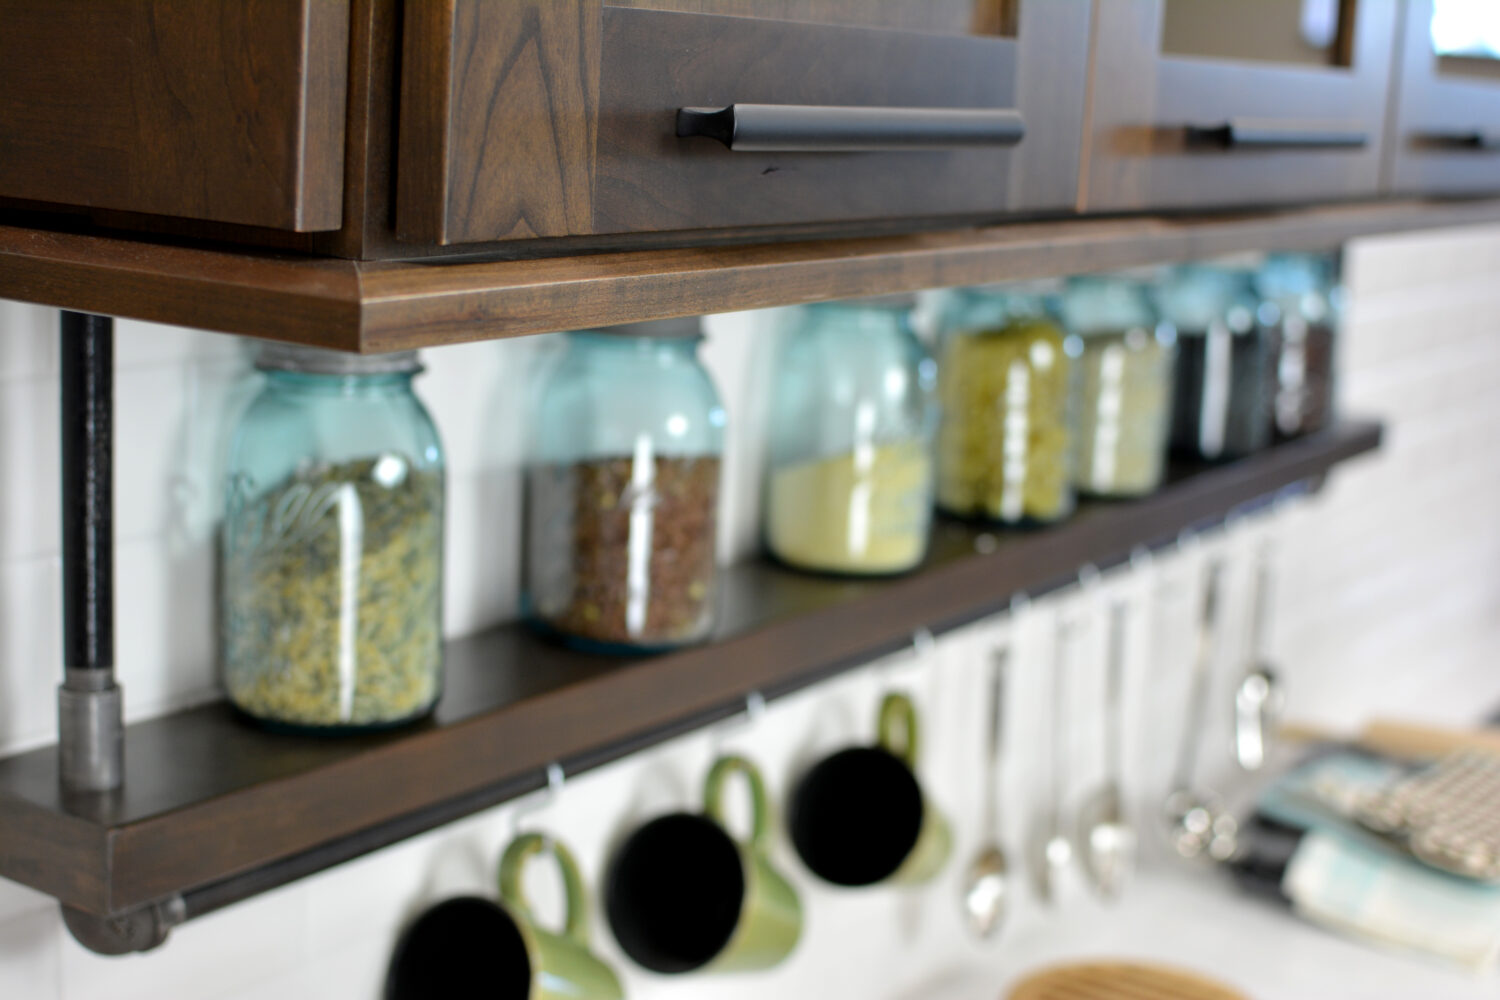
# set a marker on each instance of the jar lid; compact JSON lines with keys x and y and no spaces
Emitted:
{"x":678,"y":328}
{"x":278,"y":357}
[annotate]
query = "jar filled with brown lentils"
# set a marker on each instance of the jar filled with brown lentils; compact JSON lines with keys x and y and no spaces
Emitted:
{"x":623,"y":491}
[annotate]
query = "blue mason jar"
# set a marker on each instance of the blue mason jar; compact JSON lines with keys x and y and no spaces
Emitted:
{"x":623,"y":491}
{"x":332,"y":545}
{"x":1222,"y":405}
{"x":849,"y":471}
{"x":1126,"y":374}
{"x":1299,"y":290}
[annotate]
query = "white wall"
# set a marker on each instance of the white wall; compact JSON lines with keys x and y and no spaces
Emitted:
{"x":1390,"y":602}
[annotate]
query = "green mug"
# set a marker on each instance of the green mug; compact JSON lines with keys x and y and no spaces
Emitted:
{"x":683,"y":895}
{"x":859,"y":816}
{"x":471,"y":946}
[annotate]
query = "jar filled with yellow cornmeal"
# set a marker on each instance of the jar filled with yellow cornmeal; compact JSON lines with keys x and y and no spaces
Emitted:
{"x":849,"y":470}
{"x":1005,"y":444}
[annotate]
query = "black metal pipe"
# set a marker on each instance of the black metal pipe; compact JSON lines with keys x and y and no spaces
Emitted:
{"x":87,"y":491}
{"x":89,"y":702}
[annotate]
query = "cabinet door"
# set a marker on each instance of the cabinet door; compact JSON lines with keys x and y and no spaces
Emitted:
{"x":1446,"y":136}
{"x":569,"y":117}
{"x":1224,"y":102}
{"x":224,"y":110}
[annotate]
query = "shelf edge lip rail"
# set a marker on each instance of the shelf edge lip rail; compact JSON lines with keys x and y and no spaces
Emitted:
{"x":377,"y":306}
{"x":108,"y":868}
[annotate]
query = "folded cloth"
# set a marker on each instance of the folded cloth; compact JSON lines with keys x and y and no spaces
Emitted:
{"x":1350,"y":880}
{"x":1352,"y":887}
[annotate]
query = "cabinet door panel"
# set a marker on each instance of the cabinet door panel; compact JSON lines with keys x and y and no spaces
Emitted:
{"x":229,"y":110}
{"x":1446,"y":136}
{"x":561,"y":117}
{"x":1282,"y":123}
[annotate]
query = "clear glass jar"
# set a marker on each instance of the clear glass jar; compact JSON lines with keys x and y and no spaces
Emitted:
{"x":1221,"y":408}
{"x":1124,"y":388}
{"x":332,"y":596}
{"x":1303,"y":336}
{"x":623,"y":491}
{"x":849,"y":467}
{"x":1005,"y":445}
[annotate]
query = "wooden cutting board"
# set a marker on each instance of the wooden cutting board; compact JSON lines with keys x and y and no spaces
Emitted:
{"x":1120,"y":981}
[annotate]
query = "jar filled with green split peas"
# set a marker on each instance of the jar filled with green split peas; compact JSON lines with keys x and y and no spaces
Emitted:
{"x":1124,"y":389}
{"x":1005,"y":442}
{"x":849,"y":468}
{"x":332,"y":545}
{"x":1221,"y":408}
{"x":622,"y":491}
{"x":1301,"y":288}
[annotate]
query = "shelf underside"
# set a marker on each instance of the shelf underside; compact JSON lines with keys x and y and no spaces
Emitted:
{"x":375,"y":306}
{"x":208,"y":797}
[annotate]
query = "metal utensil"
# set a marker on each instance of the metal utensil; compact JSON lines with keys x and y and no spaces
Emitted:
{"x":1196,"y":821}
{"x":1258,"y":700}
{"x":987,"y":883}
{"x":1052,"y":852}
{"x":1105,"y":836}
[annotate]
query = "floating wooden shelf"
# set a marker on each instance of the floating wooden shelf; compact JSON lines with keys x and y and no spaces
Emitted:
{"x":375,"y":306}
{"x":209,"y":800}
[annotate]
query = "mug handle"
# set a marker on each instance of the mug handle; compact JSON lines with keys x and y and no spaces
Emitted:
{"x":523,"y":849}
{"x":898,"y":727}
{"x":713,"y":796}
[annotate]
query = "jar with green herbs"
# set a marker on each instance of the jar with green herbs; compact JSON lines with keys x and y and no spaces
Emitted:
{"x":332,"y":545}
{"x":1124,"y":389}
{"x":849,"y":469}
{"x":1005,"y":444}
{"x":1222,"y":403}
{"x":622,"y":491}
{"x":1303,"y":291}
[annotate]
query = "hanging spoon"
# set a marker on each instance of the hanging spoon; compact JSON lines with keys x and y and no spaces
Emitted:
{"x":1105,"y":836}
{"x":1052,"y":852}
{"x":1258,"y":699}
{"x":987,"y":883}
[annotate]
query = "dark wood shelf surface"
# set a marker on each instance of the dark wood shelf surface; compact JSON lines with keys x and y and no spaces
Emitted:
{"x":208,"y":797}
{"x":375,"y":306}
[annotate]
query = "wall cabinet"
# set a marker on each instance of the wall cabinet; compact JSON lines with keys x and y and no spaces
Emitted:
{"x":1445,"y":134}
{"x":229,"y":111}
{"x":1222,"y":102}
{"x":571,"y":118}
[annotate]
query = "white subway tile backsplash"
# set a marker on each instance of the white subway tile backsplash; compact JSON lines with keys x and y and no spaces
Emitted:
{"x":29,"y":519}
{"x":28,"y":340}
{"x":155,"y":345}
{"x":165,"y":612}
{"x":30,"y":653}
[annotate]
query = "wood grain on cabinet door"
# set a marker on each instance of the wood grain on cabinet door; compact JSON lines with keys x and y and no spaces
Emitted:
{"x":223,"y":110}
{"x":497,"y":126}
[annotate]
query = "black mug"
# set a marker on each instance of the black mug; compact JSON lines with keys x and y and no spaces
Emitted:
{"x":859,"y":816}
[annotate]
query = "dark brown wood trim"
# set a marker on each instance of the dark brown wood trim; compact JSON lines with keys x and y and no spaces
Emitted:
{"x":375,"y":306}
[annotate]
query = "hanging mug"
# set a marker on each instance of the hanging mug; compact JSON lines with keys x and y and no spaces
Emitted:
{"x":860,"y":817}
{"x":683,"y":895}
{"x":471,"y":946}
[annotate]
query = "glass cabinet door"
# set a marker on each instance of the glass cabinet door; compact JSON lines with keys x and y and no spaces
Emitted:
{"x":1224,"y":102}
{"x":1447,"y":106}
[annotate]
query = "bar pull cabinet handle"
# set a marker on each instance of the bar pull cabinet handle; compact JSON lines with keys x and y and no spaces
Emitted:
{"x":811,"y":128}
{"x":1272,"y":133}
{"x":1476,"y":140}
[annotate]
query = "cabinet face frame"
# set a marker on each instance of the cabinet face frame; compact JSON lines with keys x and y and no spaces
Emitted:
{"x":225,"y":111}
{"x":1138,"y":154}
{"x":560,"y":124}
{"x":1431,"y":111}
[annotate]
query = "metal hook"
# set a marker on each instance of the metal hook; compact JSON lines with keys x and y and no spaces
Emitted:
{"x":923,"y":643}
{"x":1142,"y":559}
{"x":545,"y":796}
{"x":1088,"y":577}
{"x":1020,"y":603}
{"x":745,"y":718}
